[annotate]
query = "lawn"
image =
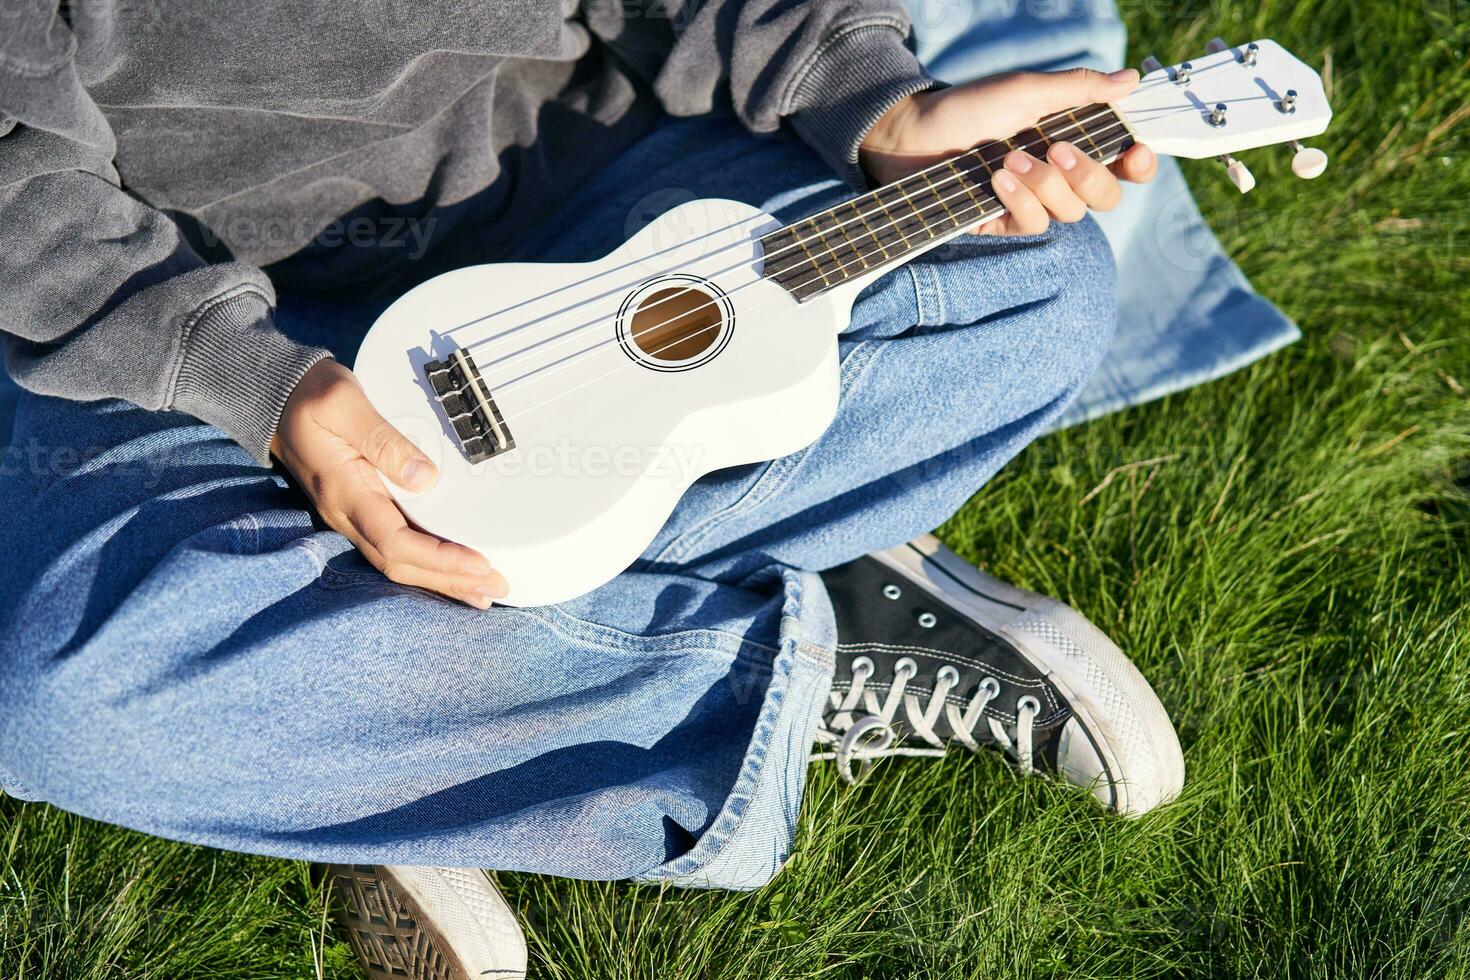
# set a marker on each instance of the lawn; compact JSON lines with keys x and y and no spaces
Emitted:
{"x":1285,"y":553}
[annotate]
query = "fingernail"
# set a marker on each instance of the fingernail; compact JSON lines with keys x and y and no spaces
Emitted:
{"x":497,"y":587}
{"x":1124,"y":75}
{"x":1019,"y":161}
{"x":477,"y":599}
{"x":1063,"y":155}
{"x":1145,"y":155}
{"x":418,"y":474}
{"x":1005,"y":182}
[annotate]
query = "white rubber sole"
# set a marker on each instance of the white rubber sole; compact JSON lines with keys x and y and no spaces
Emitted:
{"x":428,"y":923}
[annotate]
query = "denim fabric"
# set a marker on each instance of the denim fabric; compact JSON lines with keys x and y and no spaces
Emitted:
{"x":184,"y":652}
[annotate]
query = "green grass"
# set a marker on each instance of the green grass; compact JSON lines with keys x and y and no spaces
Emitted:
{"x":1285,"y":553}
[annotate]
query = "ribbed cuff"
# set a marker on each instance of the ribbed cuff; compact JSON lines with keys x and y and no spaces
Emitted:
{"x":854,"y":80}
{"x":237,"y":369}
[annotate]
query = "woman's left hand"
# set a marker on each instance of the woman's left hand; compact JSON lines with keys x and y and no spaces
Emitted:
{"x":930,"y":127}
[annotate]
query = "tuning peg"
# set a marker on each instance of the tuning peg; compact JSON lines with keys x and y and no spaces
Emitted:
{"x":1182,"y":73}
{"x":1287,"y":102}
{"x":1150,"y":65}
{"x":1238,"y":174}
{"x":1307,"y":162}
{"x":1216,"y":45}
{"x":1252,"y":52}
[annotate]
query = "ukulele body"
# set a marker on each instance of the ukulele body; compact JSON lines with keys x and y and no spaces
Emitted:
{"x":615,"y":384}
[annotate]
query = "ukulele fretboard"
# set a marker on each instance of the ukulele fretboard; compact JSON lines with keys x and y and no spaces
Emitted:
{"x":880,"y":229}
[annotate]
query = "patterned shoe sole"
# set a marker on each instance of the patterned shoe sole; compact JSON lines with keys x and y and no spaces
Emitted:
{"x":390,"y":935}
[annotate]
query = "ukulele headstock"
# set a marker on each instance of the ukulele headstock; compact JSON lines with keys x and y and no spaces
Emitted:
{"x":1230,"y":100}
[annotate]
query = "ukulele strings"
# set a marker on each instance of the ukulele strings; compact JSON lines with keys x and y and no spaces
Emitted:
{"x":796,"y":242}
{"x":859,"y":216}
{"x":828,"y":251}
{"x":831,"y":252}
{"x":1109,"y":147}
{"x":1163,"y":80}
{"x":980,"y":217}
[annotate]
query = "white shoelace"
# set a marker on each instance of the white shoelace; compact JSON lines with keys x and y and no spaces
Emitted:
{"x":872,"y":736}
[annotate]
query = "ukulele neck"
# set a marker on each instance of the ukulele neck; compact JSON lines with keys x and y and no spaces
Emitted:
{"x":867,"y":236}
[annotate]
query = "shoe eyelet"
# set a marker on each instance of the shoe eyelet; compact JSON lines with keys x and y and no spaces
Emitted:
{"x":992,"y":685}
{"x":906,"y":666}
{"x":891,"y":591}
{"x":864,"y":664}
{"x":951,"y":672}
{"x":928,"y":620}
{"x":1027,"y":701}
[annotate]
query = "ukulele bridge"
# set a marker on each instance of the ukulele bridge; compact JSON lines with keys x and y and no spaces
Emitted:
{"x":477,"y":422}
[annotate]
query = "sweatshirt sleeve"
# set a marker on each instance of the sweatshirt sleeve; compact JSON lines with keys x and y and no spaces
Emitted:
{"x":829,"y":69}
{"x":103,"y":297}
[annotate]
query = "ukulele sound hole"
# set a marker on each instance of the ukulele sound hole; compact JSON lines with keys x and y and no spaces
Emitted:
{"x":676,"y":325}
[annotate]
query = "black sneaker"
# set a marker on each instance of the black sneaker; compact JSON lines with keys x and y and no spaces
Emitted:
{"x":933,"y":651}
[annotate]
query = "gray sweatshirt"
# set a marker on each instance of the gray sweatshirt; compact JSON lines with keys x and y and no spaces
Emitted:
{"x":163,"y":163}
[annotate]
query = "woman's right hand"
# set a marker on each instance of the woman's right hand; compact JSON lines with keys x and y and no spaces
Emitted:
{"x":335,"y":443}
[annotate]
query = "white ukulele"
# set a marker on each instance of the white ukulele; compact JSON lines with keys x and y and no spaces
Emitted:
{"x":569,"y":406}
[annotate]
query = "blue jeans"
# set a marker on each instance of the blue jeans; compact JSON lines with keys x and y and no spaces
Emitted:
{"x":184,"y":651}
